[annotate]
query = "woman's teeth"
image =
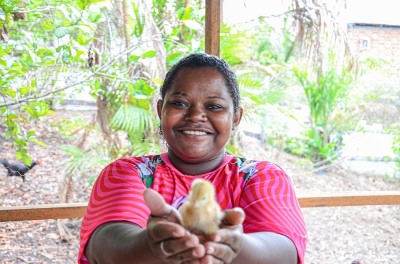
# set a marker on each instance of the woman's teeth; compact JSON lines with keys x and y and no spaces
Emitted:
{"x":197,"y":133}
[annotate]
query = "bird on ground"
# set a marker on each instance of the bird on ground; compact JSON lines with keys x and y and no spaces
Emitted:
{"x":18,"y":169}
{"x":201,"y":213}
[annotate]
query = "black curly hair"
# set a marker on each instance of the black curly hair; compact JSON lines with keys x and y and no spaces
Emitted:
{"x":202,"y":60}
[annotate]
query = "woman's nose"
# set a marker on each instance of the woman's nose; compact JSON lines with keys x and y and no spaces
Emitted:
{"x":195,"y":114}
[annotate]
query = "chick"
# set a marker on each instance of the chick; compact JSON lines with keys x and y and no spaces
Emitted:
{"x":201,"y":213}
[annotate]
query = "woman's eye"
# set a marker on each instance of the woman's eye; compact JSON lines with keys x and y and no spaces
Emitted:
{"x":179,"y":104}
{"x":214,"y":107}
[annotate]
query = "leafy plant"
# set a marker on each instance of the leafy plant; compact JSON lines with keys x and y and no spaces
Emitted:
{"x":84,"y":162}
{"x":395,"y":132}
{"x":33,"y":65}
{"x":325,"y":95}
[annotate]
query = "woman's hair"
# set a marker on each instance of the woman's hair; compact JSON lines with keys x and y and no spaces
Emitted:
{"x":202,"y":60}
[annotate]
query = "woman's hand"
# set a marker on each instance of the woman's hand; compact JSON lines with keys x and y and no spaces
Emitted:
{"x":166,"y":237}
{"x":225,"y":244}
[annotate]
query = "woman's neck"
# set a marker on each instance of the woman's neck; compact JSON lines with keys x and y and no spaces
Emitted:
{"x":195,"y":168}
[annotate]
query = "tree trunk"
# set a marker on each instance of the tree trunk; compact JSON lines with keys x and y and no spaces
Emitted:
{"x":125,"y":12}
{"x":66,"y":190}
{"x":153,"y":39}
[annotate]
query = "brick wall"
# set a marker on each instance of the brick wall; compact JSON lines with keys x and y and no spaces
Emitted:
{"x":375,"y":40}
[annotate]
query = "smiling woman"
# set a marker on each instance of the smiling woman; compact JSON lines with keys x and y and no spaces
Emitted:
{"x":133,"y":214}
{"x":197,"y":114}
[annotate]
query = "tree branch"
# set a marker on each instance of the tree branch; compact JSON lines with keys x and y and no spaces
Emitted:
{"x":45,"y":95}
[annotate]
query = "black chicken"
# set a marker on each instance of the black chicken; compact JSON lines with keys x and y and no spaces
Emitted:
{"x":17,"y":169}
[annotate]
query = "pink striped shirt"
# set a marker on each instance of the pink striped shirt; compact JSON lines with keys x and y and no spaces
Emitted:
{"x":261,"y":188}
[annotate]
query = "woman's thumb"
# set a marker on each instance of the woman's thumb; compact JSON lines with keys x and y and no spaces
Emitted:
{"x":156,"y":203}
{"x":234,"y":216}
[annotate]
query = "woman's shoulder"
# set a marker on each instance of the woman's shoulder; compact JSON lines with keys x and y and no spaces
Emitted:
{"x":136,"y":160}
{"x":252,"y":168}
{"x":134,"y":163}
{"x":246,"y":164}
{"x":129,"y":169}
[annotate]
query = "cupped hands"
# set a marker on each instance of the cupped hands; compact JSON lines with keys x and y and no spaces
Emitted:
{"x":172,"y":243}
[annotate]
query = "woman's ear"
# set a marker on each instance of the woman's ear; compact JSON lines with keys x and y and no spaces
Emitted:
{"x":159,"y":108}
{"x":237,"y":117}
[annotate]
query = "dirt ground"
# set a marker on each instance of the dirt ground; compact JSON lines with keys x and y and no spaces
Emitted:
{"x":368,"y":234}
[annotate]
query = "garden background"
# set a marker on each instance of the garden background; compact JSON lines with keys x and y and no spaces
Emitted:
{"x":80,"y":79}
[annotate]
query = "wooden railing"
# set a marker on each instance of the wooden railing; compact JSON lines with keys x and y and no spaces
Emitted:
{"x":76,"y":210}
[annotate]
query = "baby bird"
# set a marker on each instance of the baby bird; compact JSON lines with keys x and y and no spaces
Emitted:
{"x":201,"y":213}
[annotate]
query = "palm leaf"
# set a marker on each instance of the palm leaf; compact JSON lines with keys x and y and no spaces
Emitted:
{"x":131,"y":118}
{"x":84,"y":160}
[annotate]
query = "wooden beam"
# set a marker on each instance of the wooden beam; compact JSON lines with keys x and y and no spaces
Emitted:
{"x":213,"y":26}
{"x":42,"y":212}
{"x":76,"y":210}
{"x":350,"y":199}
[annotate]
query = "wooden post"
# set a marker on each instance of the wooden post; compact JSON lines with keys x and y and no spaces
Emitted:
{"x":213,"y":26}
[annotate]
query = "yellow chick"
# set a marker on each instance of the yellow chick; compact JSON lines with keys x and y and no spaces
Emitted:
{"x":201,"y":213}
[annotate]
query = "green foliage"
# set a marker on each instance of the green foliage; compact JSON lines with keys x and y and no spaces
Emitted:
{"x":235,"y":45}
{"x":138,"y":22}
{"x":183,"y":30}
{"x":325,"y":94}
{"x":39,"y":51}
{"x":143,"y":145}
{"x":86,"y":162}
{"x":270,"y":50}
{"x":21,"y":136}
{"x":394,"y":130}
{"x":132,"y":119}
{"x":7,"y":8}
{"x":83,"y":4}
{"x":69,"y":127}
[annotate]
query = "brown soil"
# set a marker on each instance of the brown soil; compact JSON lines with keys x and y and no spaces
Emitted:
{"x":369,"y":234}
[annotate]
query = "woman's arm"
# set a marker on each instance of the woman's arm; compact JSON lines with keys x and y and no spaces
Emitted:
{"x":272,"y":208}
{"x":163,"y":241}
{"x":267,"y":248}
{"x":119,"y":242}
{"x":230,"y":245}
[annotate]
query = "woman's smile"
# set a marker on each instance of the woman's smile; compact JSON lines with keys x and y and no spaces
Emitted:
{"x":196,"y":133}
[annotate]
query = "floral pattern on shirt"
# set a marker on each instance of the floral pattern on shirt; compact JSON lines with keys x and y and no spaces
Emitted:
{"x":147,"y":169}
{"x":247,"y":167}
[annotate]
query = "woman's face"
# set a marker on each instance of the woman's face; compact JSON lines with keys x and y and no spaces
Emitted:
{"x":197,"y":115}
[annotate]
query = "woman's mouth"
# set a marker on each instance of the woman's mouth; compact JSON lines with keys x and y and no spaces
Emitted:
{"x":191,"y":132}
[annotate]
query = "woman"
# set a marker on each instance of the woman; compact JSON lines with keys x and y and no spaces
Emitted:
{"x":132,"y":215}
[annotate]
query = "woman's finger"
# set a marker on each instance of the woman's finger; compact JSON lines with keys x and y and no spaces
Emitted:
{"x":155,"y":202}
{"x":182,"y":249}
{"x":234,"y":216}
{"x":164,"y":221}
{"x":159,"y":208}
{"x":225,"y":244}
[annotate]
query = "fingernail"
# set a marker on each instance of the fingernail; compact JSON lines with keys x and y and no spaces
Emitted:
{"x":217,"y":238}
{"x":189,"y":243}
{"x":210,"y":250}
{"x":178,"y":233}
{"x":199,"y":251}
